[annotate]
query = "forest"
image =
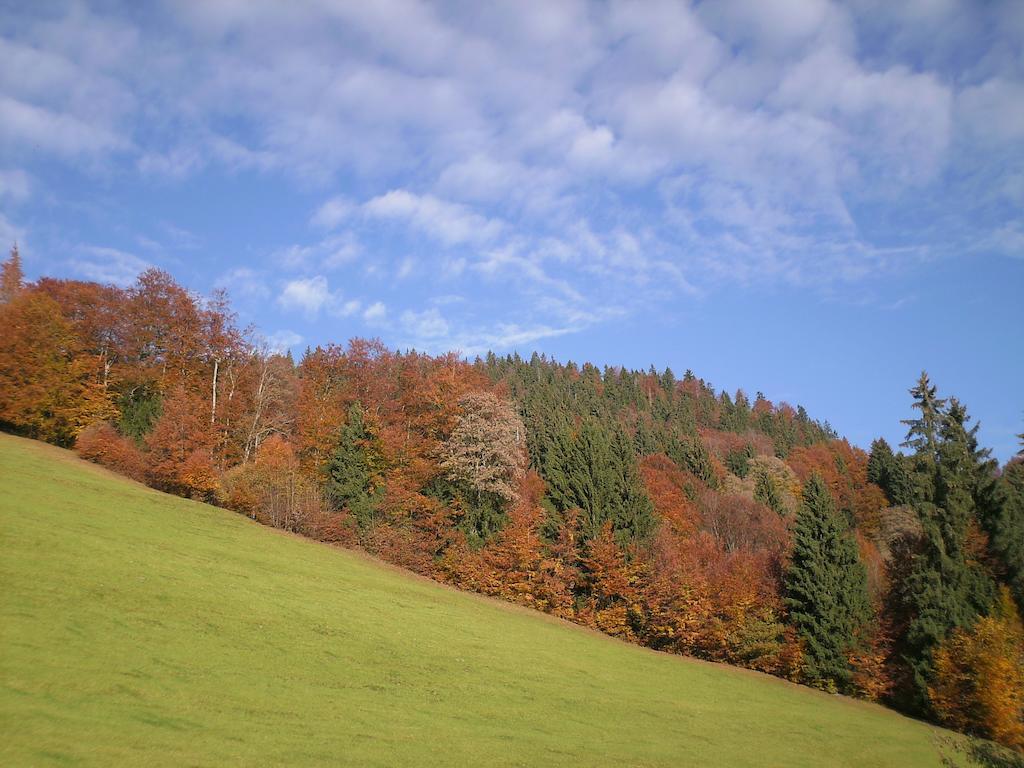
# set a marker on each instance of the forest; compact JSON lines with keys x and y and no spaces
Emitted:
{"x":642,"y":504}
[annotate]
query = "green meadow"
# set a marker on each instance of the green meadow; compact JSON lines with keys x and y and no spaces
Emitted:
{"x":141,"y":629}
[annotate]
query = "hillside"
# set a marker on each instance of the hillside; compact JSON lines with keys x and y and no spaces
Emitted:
{"x":140,"y":628}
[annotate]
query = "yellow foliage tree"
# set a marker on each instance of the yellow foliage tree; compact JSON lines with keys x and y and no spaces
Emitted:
{"x":979,"y":681}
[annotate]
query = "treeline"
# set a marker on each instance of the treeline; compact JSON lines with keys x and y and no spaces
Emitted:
{"x":652,"y":508}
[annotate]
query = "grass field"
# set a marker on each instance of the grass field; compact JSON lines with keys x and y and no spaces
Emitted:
{"x":141,"y":629}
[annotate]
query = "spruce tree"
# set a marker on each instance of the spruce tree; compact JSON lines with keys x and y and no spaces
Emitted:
{"x":944,"y":590}
{"x":888,"y":472}
{"x":12,"y":278}
{"x":350,"y":469}
{"x":826,"y":589}
{"x":1005,"y":526}
{"x":923,"y":437}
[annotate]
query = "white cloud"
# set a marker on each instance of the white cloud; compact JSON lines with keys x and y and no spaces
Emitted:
{"x":283,"y":341}
{"x":332,"y":212}
{"x":994,"y":109}
{"x":428,"y":324}
{"x":570,"y":155}
{"x":244,"y":282}
{"x":306,"y":294}
{"x":376,"y":313}
{"x":350,"y":308}
{"x":108,"y":265}
{"x":451,"y":223}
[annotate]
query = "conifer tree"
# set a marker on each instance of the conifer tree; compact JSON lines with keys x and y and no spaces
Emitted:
{"x":887,"y":471}
{"x":351,"y":468}
{"x":826,"y":588}
{"x":11,"y":276}
{"x":944,"y":590}
{"x":923,"y":436}
{"x":1005,"y":526}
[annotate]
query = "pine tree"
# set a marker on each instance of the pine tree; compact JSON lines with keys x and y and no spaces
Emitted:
{"x":826,"y":588}
{"x":352,"y":467}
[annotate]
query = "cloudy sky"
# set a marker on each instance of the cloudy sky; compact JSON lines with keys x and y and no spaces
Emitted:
{"x":808,"y":198}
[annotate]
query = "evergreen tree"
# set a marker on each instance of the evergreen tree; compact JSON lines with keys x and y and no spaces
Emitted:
{"x":691,"y":454}
{"x":923,"y":436}
{"x":738,"y":461}
{"x":944,"y":590}
{"x":767,"y":491}
{"x":1005,"y":526}
{"x":888,"y":472}
{"x":644,"y":440}
{"x":826,"y":588}
{"x":12,"y":278}
{"x":594,"y":471}
{"x":352,"y":467}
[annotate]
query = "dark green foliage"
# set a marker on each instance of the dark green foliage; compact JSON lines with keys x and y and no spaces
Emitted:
{"x":767,"y":492}
{"x":478,"y":514}
{"x":691,"y":454}
{"x":593,"y":470}
{"x":645,"y":441}
{"x":889,"y":472}
{"x":922,"y":437}
{"x":140,"y":409}
{"x":1005,"y":526}
{"x":350,"y":469}
{"x":944,"y":590}
{"x":738,"y":461}
{"x":826,"y":589}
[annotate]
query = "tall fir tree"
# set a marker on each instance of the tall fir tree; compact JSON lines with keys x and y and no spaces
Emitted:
{"x":826,"y":588}
{"x":888,"y":471}
{"x":352,"y":467}
{"x":12,"y":278}
{"x":945,"y":589}
{"x":1005,"y":526}
{"x":923,"y":436}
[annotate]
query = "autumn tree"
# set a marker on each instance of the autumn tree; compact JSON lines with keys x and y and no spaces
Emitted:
{"x":101,"y":443}
{"x":484,"y":458}
{"x":39,"y":383}
{"x":826,"y":588}
{"x":179,"y":447}
{"x":979,"y":677}
{"x":273,"y":489}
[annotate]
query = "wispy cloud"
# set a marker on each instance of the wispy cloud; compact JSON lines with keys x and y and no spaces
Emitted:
{"x":107,"y":265}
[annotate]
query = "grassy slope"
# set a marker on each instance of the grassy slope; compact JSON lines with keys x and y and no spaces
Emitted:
{"x":138,"y":628}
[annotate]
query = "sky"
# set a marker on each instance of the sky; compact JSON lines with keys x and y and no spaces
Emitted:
{"x":811,"y":199}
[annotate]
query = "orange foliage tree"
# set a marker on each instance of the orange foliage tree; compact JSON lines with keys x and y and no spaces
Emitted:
{"x":979,"y":677}
{"x":179,"y":447}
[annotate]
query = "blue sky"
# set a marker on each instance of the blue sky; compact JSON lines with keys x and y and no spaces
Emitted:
{"x":812,"y":199}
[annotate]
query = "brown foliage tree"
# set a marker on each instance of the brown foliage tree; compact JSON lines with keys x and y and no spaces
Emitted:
{"x":39,"y":384}
{"x":100,"y":443}
{"x":273,"y":490}
{"x":181,"y":435}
